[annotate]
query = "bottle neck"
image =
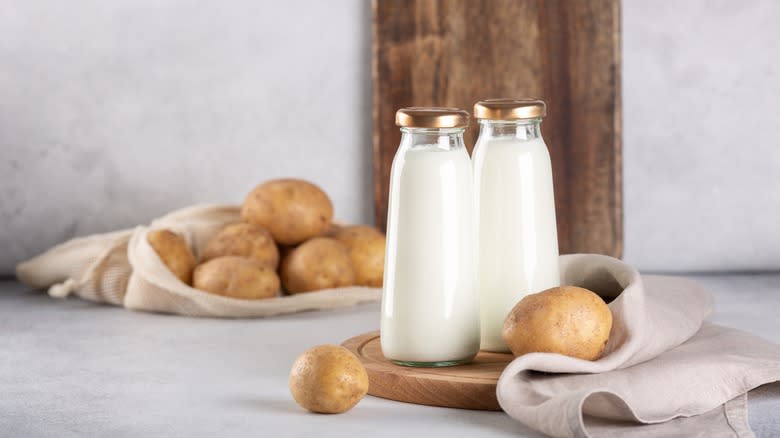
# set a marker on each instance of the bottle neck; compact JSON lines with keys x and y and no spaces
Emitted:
{"x":519,"y":129}
{"x":434,"y":138}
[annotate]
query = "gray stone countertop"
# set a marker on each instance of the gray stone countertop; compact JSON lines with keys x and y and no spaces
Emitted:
{"x":73,"y":368}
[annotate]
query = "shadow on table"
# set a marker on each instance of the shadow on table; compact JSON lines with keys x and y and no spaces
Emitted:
{"x":764,"y":410}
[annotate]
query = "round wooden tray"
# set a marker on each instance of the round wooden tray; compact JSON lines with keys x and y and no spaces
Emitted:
{"x":470,"y":386}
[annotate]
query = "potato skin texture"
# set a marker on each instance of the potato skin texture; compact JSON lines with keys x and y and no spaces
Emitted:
{"x":293,"y":210}
{"x":332,"y":230}
{"x":243,"y":240}
{"x":236,"y":277}
{"x":568,"y":320}
{"x":285,"y":250}
{"x":366,"y":247}
{"x":328,"y":379}
{"x":174,"y":252}
{"x":318,"y":263}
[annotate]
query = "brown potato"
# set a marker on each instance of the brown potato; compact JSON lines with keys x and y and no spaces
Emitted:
{"x":174,"y":252}
{"x":244,"y":240}
{"x":319,"y":263}
{"x":328,"y":379}
{"x":567,"y":320}
{"x":236,"y":277}
{"x":332,"y":230}
{"x":366,"y":247}
{"x":285,"y":250}
{"x":293,"y":210}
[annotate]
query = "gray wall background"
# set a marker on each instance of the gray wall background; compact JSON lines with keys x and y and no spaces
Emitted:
{"x":112,"y":113}
{"x":701,"y":140}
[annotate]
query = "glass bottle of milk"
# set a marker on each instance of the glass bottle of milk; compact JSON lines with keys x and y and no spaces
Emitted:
{"x":430,"y":302}
{"x":518,"y":240}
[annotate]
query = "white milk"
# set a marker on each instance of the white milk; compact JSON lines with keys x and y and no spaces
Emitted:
{"x":518,"y":240}
{"x":430,"y":307}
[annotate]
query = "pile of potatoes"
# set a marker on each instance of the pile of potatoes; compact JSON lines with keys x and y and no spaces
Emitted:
{"x":286,"y":240}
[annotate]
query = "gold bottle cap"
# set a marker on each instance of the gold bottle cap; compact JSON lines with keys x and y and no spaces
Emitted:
{"x":431,"y":117}
{"x":510,"y":109}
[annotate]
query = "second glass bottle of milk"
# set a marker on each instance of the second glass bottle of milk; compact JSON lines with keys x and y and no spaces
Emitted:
{"x":518,"y":240}
{"x":430,"y":302}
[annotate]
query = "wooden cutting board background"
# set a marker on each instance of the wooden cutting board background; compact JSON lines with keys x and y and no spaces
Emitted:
{"x":456,"y":52}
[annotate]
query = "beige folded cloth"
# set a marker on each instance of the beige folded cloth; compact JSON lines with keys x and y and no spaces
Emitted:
{"x":665,"y":372}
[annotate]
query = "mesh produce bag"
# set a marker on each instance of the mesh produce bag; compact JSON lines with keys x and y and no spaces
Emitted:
{"x":121,"y":268}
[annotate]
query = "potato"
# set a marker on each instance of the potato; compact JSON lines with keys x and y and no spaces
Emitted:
{"x":332,"y":230}
{"x":174,"y":252}
{"x":244,"y":240}
{"x":567,"y":320}
{"x":328,"y":379}
{"x":366,"y":247}
{"x":293,"y":210}
{"x":285,"y":250}
{"x":318,"y":263}
{"x":236,"y":277}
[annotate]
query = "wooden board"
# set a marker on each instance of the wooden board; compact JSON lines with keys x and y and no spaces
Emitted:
{"x":471,"y":386}
{"x":456,"y":52}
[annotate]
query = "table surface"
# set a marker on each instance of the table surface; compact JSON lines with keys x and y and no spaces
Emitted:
{"x":73,"y":368}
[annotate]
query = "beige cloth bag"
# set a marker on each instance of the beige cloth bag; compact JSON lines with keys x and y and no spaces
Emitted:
{"x":663,"y":366}
{"x":121,"y":268}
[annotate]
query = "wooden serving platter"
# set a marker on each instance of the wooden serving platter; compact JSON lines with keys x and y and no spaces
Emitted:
{"x":457,"y":52}
{"x":471,"y":386}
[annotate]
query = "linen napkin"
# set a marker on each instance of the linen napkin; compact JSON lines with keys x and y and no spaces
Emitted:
{"x":665,"y":371}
